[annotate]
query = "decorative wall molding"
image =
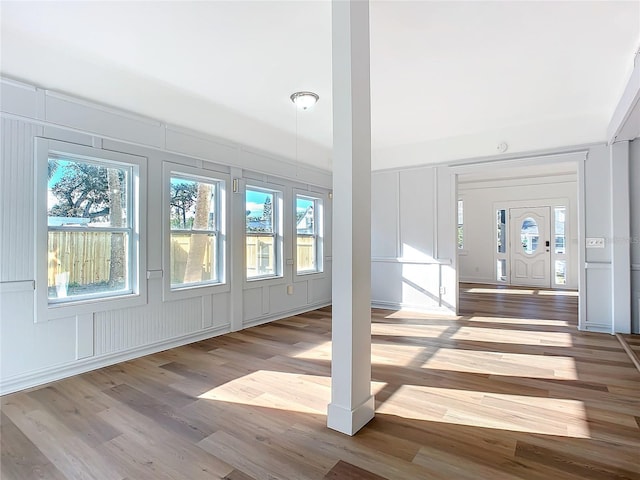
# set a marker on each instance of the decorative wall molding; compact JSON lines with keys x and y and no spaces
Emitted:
{"x":57,"y":372}
{"x":22,"y":286}
{"x":597,"y":265}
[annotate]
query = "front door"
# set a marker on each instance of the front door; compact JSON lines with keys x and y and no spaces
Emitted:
{"x":530,"y":246}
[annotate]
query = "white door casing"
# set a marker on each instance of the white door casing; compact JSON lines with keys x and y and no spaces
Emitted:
{"x":530,"y":238}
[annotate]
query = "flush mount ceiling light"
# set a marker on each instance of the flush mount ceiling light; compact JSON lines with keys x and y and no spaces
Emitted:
{"x":304,"y":100}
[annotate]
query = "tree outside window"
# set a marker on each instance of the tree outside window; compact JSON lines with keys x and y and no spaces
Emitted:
{"x":89,"y":228}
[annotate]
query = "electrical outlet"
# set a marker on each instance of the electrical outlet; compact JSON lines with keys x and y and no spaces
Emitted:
{"x":289,"y":289}
{"x":443,"y":290}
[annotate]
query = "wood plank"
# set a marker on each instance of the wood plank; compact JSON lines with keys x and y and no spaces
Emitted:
{"x":345,"y":471}
{"x":20,"y":458}
{"x":522,"y":396}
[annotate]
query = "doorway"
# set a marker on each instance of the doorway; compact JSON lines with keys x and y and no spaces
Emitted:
{"x":517,"y":234}
{"x":530,"y":240}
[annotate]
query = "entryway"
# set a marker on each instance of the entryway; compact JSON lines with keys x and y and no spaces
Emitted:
{"x":530,"y":241}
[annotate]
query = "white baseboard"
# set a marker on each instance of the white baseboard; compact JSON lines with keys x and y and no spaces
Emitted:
{"x":58,"y":372}
{"x":598,"y":328}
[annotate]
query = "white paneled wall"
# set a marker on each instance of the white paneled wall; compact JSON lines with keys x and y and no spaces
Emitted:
{"x":410,"y":219}
{"x":477,"y":262}
{"x":596,"y":292}
{"x":37,"y":352}
{"x":17,"y":214}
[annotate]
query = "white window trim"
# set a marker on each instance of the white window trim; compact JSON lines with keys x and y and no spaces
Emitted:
{"x":320,"y":216}
{"x":278,"y":219}
{"x":45,"y":311}
{"x":200,"y":289}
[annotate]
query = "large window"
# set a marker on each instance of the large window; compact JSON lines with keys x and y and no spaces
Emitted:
{"x":194,"y":219}
{"x":263,"y":216}
{"x":308,"y":234}
{"x":91,"y":227}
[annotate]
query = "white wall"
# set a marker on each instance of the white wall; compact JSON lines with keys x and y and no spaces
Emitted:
{"x":481,"y":199}
{"x":414,"y":239}
{"x":35,"y":350}
{"x":411,"y":240}
{"x":634,"y":189}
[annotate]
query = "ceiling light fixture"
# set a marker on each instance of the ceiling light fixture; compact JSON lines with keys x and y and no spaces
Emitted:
{"x":304,"y":100}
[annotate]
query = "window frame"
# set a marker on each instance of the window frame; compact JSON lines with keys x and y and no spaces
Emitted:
{"x":460,"y":225}
{"x":136,"y":294}
{"x":277,"y":209}
{"x":198,"y":289}
{"x":504,"y":256}
{"x":318,"y":219}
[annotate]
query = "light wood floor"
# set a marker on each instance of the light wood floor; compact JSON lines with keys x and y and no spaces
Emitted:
{"x":475,"y":397}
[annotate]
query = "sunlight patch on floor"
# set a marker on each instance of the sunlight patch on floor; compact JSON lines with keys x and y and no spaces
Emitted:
{"x":280,"y":390}
{"x":417,"y":331}
{"x":518,"y":413}
{"x":396,"y":355}
{"x":500,"y":363}
{"x":558,"y":293}
{"x":521,"y":321}
{"x":412,"y":315}
{"x":510,"y":291}
{"x":518,"y":337}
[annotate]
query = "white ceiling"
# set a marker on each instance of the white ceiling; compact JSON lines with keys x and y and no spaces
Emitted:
{"x":449,"y":80}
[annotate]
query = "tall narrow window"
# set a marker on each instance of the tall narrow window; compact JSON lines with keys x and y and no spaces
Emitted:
{"x":560,"y":213}
{"x":501,"y":245}
{"x":263,"y":210}
{"x":194,"y":244}
{"x":501,"y":223}
{"x":308,"y":234}
{"x":560,"y":246}
{"x":90,"y":228}
{"x":460,"y":224}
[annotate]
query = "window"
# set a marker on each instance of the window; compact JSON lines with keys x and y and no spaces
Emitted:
{"x":529,"y":236}
{"x":560,"y":213}
{"x":308,"y":234}
{"x":88,"y":229}
{"x":501,"y":223}
{"x":560,"y":246}
{"x":460,"y":224}
{"x":263,"y":250}
{"x":194,"y":225}
{"x":501,"y":245}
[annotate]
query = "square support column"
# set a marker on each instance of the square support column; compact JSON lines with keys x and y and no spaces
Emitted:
{"x":352,"y":405}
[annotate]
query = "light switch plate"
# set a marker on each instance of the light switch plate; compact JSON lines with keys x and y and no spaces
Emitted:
{"x":595,"y":242}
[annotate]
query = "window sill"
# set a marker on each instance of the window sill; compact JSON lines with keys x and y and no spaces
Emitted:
{"x":306,"y":276}
{"x":55,"y":311}
{"x":173,"y":294}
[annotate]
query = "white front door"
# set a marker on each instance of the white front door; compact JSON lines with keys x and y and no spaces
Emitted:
{"x":530,"y":246}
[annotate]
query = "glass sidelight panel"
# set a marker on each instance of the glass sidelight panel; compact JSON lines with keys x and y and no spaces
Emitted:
{"x":501,"y":270}
{"x":501,"y":221}
{"x":559,"y":225}
{"x":561,"y":272}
